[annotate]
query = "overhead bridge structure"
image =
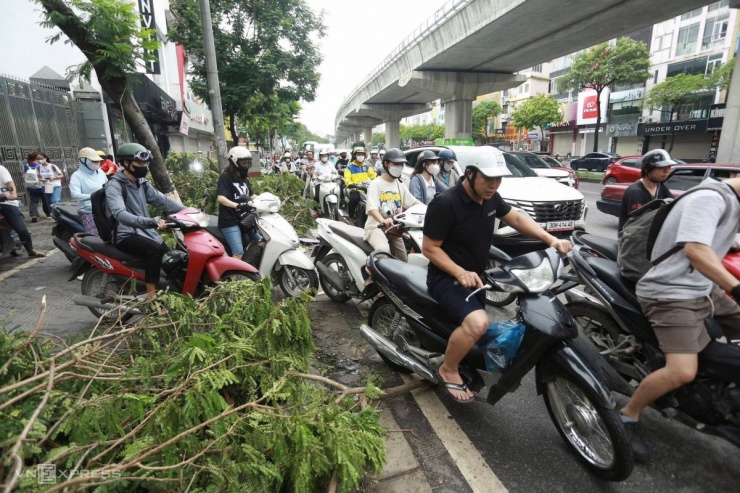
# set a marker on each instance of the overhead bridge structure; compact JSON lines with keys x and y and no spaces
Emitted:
{"x":474,"y":47}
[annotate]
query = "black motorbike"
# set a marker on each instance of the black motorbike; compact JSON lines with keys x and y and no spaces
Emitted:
{"x":360,"y":212}
{"x":68,"y":223}
{"x":621,"y":333}
{"x":410,"y":331}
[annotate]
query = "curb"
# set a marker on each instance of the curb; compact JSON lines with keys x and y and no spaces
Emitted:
{"x":589,"y":180}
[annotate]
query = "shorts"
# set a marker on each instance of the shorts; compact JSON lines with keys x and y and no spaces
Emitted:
{"x":679,"y":324}
{"x":452,"y":298}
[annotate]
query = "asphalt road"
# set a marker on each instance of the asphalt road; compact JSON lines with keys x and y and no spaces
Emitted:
{"x":596,"y":221}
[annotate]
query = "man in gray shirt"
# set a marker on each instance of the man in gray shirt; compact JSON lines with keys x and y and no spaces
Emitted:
{"x":679,"y":293}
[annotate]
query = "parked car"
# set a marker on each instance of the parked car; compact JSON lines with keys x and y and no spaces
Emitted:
{"x":540,"y":166}
{"x":555,"y":164}
{"x":626,"y":170}
{"x":595,"y":161}
{"x":558,"y":209}
{"x":681,"y":179}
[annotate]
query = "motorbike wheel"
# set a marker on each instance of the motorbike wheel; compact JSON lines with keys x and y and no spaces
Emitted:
{"x":98,"y":284}
{"x":335,"y":262}
{"x":385,"y":319}
{"x":333,"y":212}
{"x":295,"y":281}
{"x":594,"y":433}
{"x":497,"y":298}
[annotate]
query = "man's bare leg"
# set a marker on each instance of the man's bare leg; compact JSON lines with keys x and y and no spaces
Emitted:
{"x":461,"y":342}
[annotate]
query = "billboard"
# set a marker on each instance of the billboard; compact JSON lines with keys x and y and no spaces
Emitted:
{"x":587,"y":107}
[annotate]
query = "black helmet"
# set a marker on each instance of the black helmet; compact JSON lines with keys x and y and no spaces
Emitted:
{"x":425,"y":156}
{"x":658,"y":158}
{"x":447,"y":155}
{"x":395,"y":155}
{"x":173,"y":260}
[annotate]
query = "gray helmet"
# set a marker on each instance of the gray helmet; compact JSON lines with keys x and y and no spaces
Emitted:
{"x":395,"y":155}
{"x":133,"y":152}
{"x":446,"y":155}
{"x":659,"y":158}
{"x":426,"y":156}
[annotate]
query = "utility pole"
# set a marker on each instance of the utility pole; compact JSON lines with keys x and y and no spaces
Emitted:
{"x":213,"y":87}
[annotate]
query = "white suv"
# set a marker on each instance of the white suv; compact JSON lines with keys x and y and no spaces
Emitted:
{"x":556,"y":208}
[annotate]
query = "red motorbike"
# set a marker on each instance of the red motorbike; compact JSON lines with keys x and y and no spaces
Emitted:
{"x":113,"y":281}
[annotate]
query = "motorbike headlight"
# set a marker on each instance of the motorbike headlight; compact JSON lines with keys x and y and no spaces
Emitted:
{"x":200,"y":218}
{"x":537,"y":279}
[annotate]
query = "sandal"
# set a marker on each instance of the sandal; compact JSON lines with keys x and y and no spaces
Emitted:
{"x":35,"y":253}
{"x":461,"y":387}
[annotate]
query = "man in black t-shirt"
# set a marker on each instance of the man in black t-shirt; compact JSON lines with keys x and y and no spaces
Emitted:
{"x":649,"y":187}
{"x":458,"y":228}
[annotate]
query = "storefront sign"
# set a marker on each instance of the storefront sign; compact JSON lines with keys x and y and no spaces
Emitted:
{"x":184,"y":123}
{"x":146,"y":15}
{"x":533,"y":135}
{"x":716,"y":117}
{"x":454,"y":142}
{"x":622,"y":129}
{"x":683,"y":127}
{"x":200,"y":117}
{"x":512,"y":135}
{"x":591,"y":130}
{"x":588,"y":108}
{"x":631,"y":95}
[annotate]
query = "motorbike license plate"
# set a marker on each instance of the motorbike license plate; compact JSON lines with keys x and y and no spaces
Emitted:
{"x":560,"y":226}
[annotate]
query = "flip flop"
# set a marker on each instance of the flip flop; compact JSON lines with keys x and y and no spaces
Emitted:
{"x":456,"y":386}
{"x":36,"y":254}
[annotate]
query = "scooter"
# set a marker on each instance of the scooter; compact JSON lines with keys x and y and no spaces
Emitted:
{"x":625,"y":339}
{"x":328,"y":196}
{"x":109,"y":285}
{"x":410,"y":332}
{"x":342,"y":252}
{"x":278,"y":255}
{"x":68,"y":223}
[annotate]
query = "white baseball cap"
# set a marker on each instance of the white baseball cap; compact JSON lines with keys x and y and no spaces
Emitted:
{"x":89,"y":153}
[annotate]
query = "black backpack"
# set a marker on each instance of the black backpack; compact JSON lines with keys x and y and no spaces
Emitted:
{"x":104,"y":220}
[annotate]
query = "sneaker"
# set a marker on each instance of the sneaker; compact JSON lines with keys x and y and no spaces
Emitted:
{"x":639,"y":447}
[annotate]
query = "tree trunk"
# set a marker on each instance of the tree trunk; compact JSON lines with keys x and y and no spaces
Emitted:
{"x":673,"y":133}
{"x":232,"y":129}
{"x":598,"y":120}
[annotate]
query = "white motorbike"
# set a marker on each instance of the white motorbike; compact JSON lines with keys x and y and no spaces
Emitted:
{"x":328,"y":196}
{"x":342,"y":252}
{"x":278,"y":255}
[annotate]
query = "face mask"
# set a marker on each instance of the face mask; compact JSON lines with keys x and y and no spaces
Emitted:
{"x":92,"y":166}
{"x":395,"y":171}
{"x":138,"y":171}
{"x":324,"y":159}
{"x":448,"y":166}
{"x":433,"y":169}
{"x":287,"y":160}
{"x":243,"y":172}
{"x":42,"y":161}
{"x":360,"y":159}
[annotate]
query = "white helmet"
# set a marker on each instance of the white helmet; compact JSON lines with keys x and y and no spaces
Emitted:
{"x":237,"y":153}
{"x":486,"y":159}
{"x":287,"y":155}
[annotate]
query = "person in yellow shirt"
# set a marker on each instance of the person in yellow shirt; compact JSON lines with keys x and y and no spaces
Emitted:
{"x":356,"y":173}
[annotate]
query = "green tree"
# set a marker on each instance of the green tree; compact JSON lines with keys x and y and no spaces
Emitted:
{"x":481,"y":114}
{"x":379,"y":139}
{"x":624,"y":63}
{"x":539,"y":111}
{"x":262,"y":49}
{"x":722,"y":75}
{"x":115,"y":46}
{"x":675,"y":91}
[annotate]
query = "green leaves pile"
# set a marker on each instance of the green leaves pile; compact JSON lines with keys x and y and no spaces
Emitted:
{"x":289,"y":188}
{"x":211,"y":398}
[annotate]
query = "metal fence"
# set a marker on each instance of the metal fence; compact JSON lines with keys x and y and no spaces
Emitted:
{"x":35,"y":117}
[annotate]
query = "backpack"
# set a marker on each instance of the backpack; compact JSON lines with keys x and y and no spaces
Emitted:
{"x":641,"y":230}
{"x":31,"y":178}
{"x":104,"y":220}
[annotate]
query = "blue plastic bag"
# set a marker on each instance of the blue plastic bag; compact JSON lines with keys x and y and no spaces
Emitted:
{"x":500,"y":344}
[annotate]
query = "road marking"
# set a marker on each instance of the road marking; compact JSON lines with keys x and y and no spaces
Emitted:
{"x":26,"y":265}
{"x":471,"y":464}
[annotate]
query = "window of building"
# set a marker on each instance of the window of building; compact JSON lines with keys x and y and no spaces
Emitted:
{"x":526,"y":87}
{"x":687,"y":37}
{"x":691,"y":15}
{"x":689,"y":67}
{"x":715,"y":31}
{"x":718,"y":5}
{"x":537,"y":68}
{"x":713,"y":62}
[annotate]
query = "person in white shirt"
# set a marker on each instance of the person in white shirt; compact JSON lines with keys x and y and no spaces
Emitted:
{"x":50,"y":173}
{"x":322,"y":168}
{"x":386,"y":197}
{"x":10,"y":209}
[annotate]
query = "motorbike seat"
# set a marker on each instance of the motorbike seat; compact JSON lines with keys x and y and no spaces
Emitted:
{"x":95,"y":244}
{"x":352,"y":234}
{"x":214,"y":229}
{"x":69,"y":211}
{"x":720,"y":360}
{"x":605,"y":246}
{"x":411,"y":279}
{"x":608,"y":272}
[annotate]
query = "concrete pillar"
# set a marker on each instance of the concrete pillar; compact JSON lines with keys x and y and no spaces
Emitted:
{"x":458,"y":119}
{"x":367,"y":136}
{"x":392,"y":134}
{"x":729,"y":142}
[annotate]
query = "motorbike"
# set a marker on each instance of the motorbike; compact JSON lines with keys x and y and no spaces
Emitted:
{"x":622,"y":334}
{"x":68,"y":223}
{"x":10,"y":245}
{"x":109,"y":285}
{"x":342,"y":252}
{"x":278,"y":255}
{"x":360,"y":212}
{"x":410,"y":332}
{"x":328,"y":196}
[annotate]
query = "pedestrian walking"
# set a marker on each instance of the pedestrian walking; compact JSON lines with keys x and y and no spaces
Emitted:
{"x":87,"y":179}
{"x":51,"y":178}
{"x":34,"y":187}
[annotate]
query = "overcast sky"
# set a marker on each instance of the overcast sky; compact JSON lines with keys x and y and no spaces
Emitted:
{"x":360,"y":33}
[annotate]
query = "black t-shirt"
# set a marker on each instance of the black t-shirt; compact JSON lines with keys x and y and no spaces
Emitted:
{"x":636,"y":196}
{"x":232,"y":190}
{"x":341,"y":164}
{"x":464,"y":226}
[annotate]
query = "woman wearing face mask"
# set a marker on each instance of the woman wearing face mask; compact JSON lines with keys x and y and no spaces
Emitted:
{"x":322,"y":168}
{"x":233,"y":187}
{"x":50,"y":173}
{"x":447,"y":174}
{"x":134,"y":230}
{"x":386,"y":197}
{"x":87,"y":179}
{"x":424,"y":184}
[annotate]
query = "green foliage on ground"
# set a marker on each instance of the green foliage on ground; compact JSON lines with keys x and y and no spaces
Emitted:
{"x":289,"y":189}
{"x":214,"y":397}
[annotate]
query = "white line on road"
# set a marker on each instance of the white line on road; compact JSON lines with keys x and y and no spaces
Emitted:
{"x":26,"y":265}
{"x":471,"y":464}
